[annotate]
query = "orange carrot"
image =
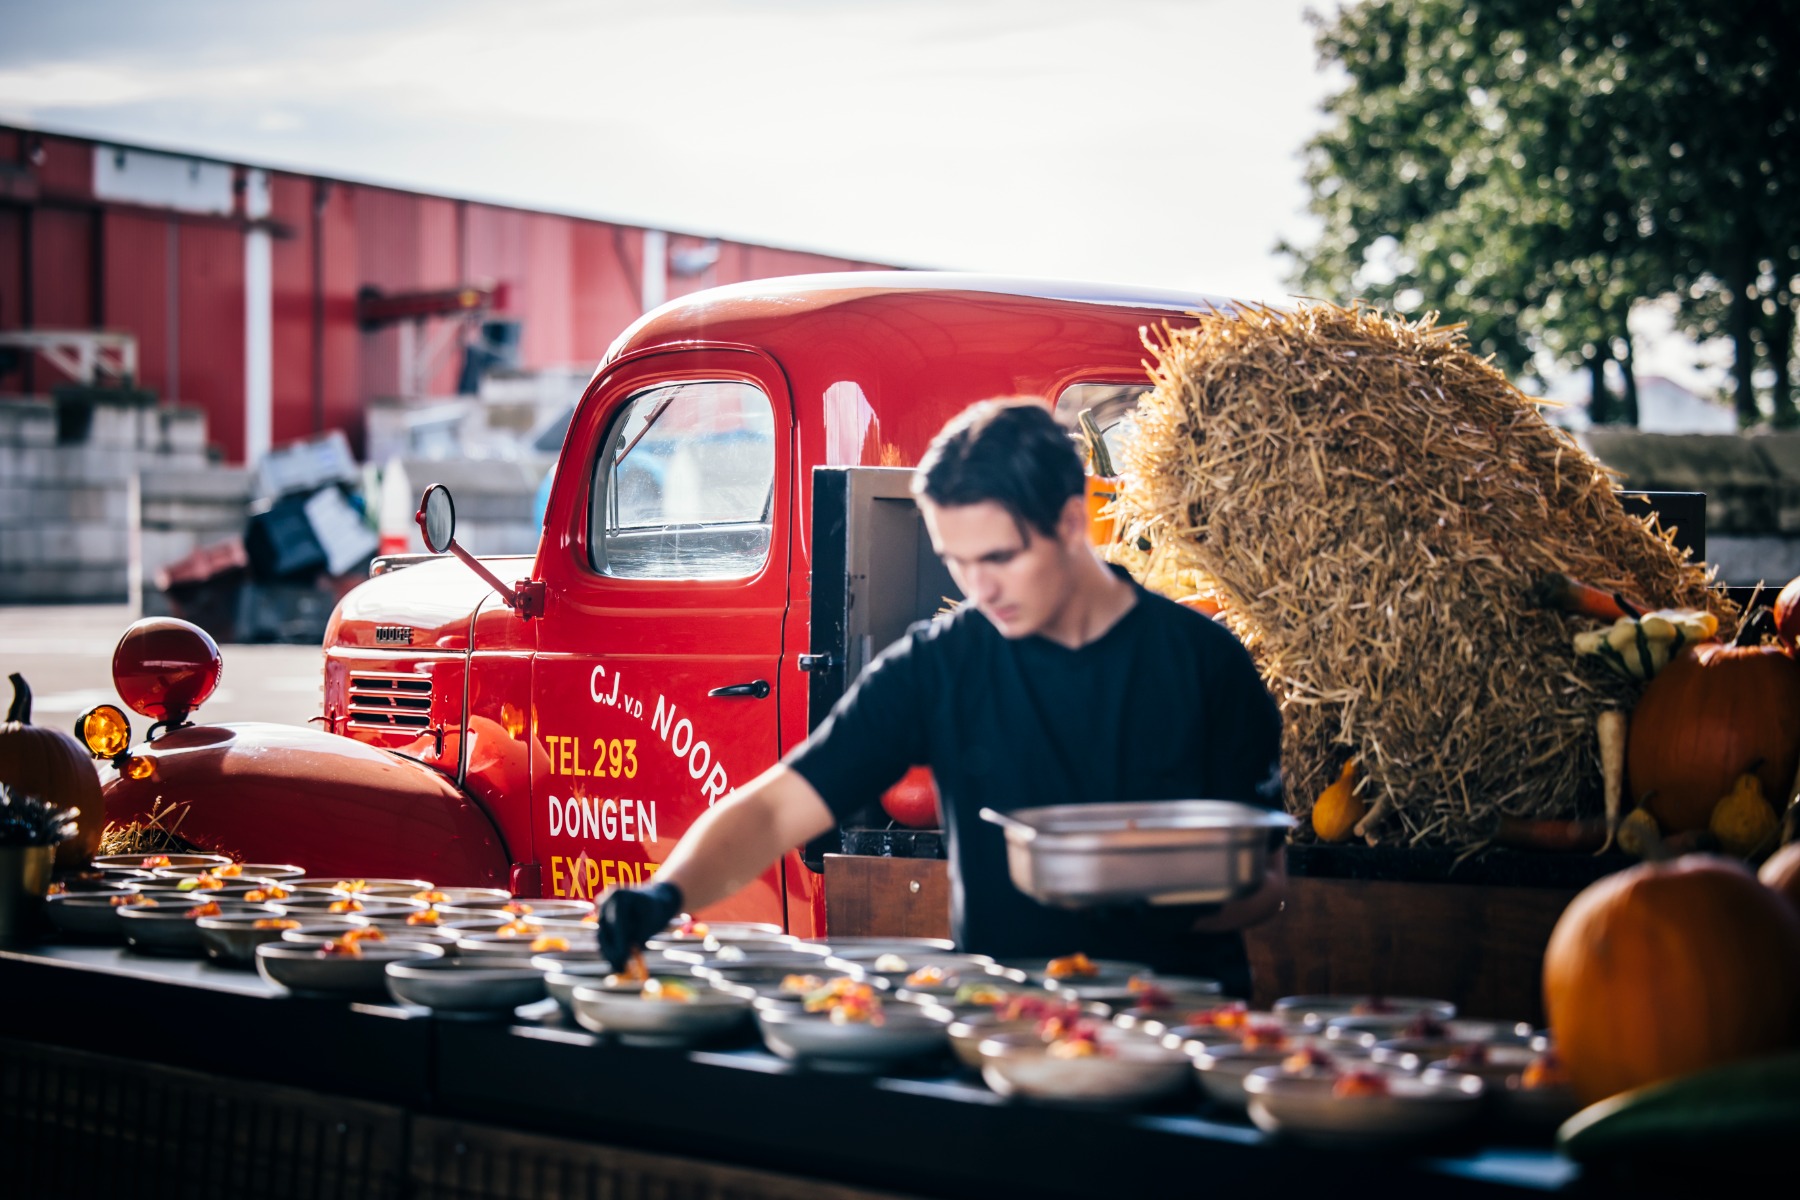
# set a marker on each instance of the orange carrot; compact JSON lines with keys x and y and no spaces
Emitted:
{"x":1570,"y":595}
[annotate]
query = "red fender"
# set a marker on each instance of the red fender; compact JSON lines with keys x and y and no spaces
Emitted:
{"x":288,"y":794}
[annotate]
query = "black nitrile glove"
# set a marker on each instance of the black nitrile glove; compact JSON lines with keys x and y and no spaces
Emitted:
{"x":631,"y":916}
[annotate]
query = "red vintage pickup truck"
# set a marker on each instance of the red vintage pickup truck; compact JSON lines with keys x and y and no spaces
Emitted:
{"x":727,"y":541}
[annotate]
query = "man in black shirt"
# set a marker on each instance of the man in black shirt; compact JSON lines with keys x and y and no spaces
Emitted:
{"x":1058,"y":681}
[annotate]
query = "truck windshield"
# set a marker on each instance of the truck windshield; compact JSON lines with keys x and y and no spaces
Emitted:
{"x":685,"y":484}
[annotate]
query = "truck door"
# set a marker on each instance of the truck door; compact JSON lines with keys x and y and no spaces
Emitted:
{"x":665,"y":560}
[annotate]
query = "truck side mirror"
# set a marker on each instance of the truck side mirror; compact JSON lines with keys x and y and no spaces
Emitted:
{"x":437,"y":518}
{"x":437,"y":521}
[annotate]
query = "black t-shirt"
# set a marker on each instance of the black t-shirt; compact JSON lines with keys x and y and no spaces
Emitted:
{"x":1166,"y":705}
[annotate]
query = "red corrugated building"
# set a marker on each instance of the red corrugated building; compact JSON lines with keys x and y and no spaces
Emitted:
{"x":241,"y":284}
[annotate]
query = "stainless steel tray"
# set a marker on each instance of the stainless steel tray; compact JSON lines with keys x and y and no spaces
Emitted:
{"x":1160,"y":852}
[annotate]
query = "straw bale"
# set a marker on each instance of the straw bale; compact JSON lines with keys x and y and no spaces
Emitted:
{"x":1373,"y":502}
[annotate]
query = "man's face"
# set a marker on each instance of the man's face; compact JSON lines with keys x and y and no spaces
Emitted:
{"x":1019,"y":578}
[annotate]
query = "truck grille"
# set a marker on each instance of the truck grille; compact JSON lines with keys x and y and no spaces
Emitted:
{"x":391,"y":702}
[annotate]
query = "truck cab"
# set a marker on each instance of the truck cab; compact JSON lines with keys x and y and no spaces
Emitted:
{"x":690,"y":611}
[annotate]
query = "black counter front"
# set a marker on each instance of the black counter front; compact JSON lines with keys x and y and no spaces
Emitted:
{"x":739,"y":1108}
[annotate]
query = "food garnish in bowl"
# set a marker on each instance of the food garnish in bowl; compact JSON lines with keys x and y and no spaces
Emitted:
{"x":55,"y":889}
{"x":1544,"y":1071}
{"x":350,"y":887}
{"x":592,"y":918}
{"x":1080,"y":1039}
{"x":981,"y":993}
{"x":1072,"y":966}
{"x":1359,"y":1082}
{"x":133,"y":900}
{"x":344,"y":947}
{"x":517,"y":908}
{"x":889,"y":964}
{"x":1309,"y":1059}
{"x":518,"y":929}
{"x":671,"y":991}
{"x":272,"y":892}
{"x":692,"y":928}
{"x":848,"y":1002}
{"x":1265,"y":1036}
{"x":547,"y":942}
{"x":926,"y":977}
{"x":229,"y":870}
{"x":1146,"y":994}
{"x":364,"y":935}
{"x":275,"y":923}
{"x":351,"y":905}
{"x":1235,"y":1015}
{"x":209,"y":909}
{"x":1473,"y":1054}
{"x":1425,"y":1026}
{"x":200,"y":883}
{"x":801,"y":985}
{"x":1374,"y":1006}
{"x":155,"y":860}
{"x":426,"y":916}
{"x":432,"y":896}
{"x":636,"y":970}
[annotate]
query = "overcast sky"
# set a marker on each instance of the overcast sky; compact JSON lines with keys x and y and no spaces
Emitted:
{"x":1146,"y":141}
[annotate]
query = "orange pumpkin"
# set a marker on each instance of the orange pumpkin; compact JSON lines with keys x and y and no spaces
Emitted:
{"x":1781,"y":873}
{"x":1787,"y":615}
{"x":1669,"y":968}
{"x":51,"y":765}
{"x":1715,"y":712}
{"x":1102,"y":490}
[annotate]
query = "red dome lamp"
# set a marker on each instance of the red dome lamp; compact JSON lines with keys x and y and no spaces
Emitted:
{"x":165,"y":668}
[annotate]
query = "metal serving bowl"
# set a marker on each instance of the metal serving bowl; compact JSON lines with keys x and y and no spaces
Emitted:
{"x":1163,"y":852}
{"x":142,"y":862}
{"x":716,"y":934}
{"x":621,"y":1011}
{"x":245,"y":871}
{"x":316,"y":932}
{"x":742,"y":951}
{"x":1130,"y":1070}
{"x":1416,"y":1108}
{"x":896,"y":970}
{"x":88,"y":918}
{"x":460,"y":985}
{"x":307,"y":971}
{"x":308,"y":905}
{"x":1223,"y":1069}
{"x":350,"y":886}
{"x":168,"y":930}
{"x":1392,"y":1012}
{"x":905,"y":1035}
{"x":536,"y":910}
{"x":232,"y":938}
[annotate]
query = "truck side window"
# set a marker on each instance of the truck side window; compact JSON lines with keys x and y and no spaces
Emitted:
{"x":1114,"y":406}
{"x":685,"y":484}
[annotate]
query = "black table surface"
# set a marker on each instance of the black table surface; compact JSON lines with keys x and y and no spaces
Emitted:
{"x":938,"y":1134}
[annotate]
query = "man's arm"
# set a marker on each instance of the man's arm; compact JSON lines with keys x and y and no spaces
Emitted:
{"x":1258,"y":906}
{"x":740,"y":838}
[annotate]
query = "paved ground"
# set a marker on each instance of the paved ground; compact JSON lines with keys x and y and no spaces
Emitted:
{"x":65,"y":653}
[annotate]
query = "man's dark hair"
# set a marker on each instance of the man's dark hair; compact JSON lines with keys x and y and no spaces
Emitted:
{"x":1011,"y":452}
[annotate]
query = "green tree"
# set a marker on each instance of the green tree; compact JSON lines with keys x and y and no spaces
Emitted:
{"x":1538,"y":166}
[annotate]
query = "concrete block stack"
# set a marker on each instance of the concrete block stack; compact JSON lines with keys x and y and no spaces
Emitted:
{"x":65,"y":493}
{"x":1752,"y":486}
{"x":493,"y":500}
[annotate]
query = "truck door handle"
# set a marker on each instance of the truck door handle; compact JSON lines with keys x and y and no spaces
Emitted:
{"x":756,"y":690}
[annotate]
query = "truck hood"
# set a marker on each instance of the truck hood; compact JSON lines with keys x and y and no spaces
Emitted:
{"x":424,"y":607}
